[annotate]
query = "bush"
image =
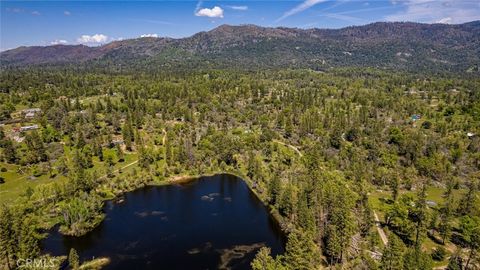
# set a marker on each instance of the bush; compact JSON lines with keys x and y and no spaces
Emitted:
{"x":439,"y":254}
{"x":3,"y":169}
{"x":427,"y":125}
{"x":2,"y":180}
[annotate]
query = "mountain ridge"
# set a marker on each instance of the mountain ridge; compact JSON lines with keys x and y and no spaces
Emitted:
{"x":397,"y":45}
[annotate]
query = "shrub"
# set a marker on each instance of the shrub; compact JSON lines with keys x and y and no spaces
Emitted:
{"x":439,"y":254}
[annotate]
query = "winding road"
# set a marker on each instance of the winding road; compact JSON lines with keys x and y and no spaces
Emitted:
{"x":290,"y":146}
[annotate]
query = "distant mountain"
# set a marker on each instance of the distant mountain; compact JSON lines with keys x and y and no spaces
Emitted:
{"x":404,"y":46}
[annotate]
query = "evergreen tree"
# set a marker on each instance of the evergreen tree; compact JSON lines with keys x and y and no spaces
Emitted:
{"x":468,"y":201}
{"x":446,"y":213}
{"x":263,"y":260}
{"x":28,"y":245}
{"x":78,"y":176}
{"x":7,"y":236}
{"x":414,"y":259}
{"x":73,"y":259}
{"x":392,"y":258}
{"x":286,"y":204}
{"x":99,"y":151}
{"x":80,"y":138}
{"x":168,"y":151}
{"x":456,"y":261}
{"x":36,"y":148}
{"x":274,"y":190}
{"x":128,"y":132}
{"x":120,"y":154}
{"x":301,"y":251}
{"x":419,"y":216}
{"x":9,"y":151}
{"x":470,"y":227}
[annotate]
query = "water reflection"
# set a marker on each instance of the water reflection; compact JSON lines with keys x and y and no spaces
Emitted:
{"x":214,"y":222}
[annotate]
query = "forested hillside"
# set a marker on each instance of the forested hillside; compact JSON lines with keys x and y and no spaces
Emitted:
{"x":364,"y":169}
{"x":394,"y":46}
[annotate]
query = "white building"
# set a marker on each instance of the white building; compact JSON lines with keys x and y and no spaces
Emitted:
{"x":30,"y":113}
{"x":26,"y":128}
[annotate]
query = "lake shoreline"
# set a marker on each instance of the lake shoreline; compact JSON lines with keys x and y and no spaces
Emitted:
{"x":178,"y":185}
{"x":182,"y":179}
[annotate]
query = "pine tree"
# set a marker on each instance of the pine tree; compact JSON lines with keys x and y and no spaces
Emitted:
{"x":9,"y":151}
{"x":27,"y":239}
{"x":395,"y":185}
{"x":415,"y":258}
{"x":420,"y":217}
{"x":288,"y":127}
{"x":263,"y":260}
{"x":468,"y":201}
{"x":286,"y":204}
{"x":35,"y":147}
{"x":456,"y":261}
{"x":392,"y":258}
{"x":301,"y":251}
{"x":128,"y":133}
{"x":306,"y":217}
{"x":333,"y":245}
{"x":168,"y":151}
{"x":73,"y":259}
{"x":251,"y":165}
{"x":78,"y":177}
{"x":80,"y":138}
{"x":7,"y":236}
{"x":274,"y":189}
{"x":120,"y":155}
{"x":446,"y":213}
{"x":99,"y":151}
{"x":470,"y":227}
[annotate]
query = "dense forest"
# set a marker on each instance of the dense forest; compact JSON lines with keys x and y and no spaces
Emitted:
{"x":363,"y":168}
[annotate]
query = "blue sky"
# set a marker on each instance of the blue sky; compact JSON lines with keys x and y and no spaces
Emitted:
{"x":98,"y":22}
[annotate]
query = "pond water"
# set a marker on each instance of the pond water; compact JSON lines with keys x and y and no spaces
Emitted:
{"x":211,"y":223}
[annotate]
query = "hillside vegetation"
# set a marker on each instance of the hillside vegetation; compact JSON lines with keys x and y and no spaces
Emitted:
{"x":326,"y":151}
{"x":394,"y":46}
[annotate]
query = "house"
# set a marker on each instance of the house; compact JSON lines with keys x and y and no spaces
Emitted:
{"x":30,"y":113}
{"x":416,"y":117}
{"x":18,"y":139}
{"x":27,"y":128}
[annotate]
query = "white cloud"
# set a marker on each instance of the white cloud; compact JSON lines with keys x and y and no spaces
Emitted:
{"x":58,"y":42}
{"x":36,"y":13}
{"x":445,"y":20}
{"x":67,"y":13}
{"x":15,"y":10}
{"x":241,"y":8}
{"x":97,"y":38}
{"x":149,"y":35}
{"x":215,"y":12}
{"x":427,"y":11}
{"x":303,"y":6}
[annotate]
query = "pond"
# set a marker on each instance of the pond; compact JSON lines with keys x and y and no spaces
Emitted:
{"x":213,"y":222}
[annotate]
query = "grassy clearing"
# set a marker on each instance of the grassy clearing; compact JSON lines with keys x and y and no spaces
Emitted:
{"x":378,"y":200}
{"x":16,"y":183}
{"x":19,"y":178}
